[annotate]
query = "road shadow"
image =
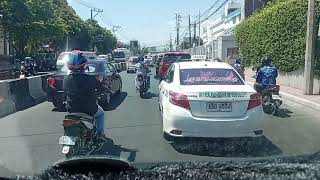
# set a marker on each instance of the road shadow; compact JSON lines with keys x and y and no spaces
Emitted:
{"x":150,"y":95}
{"x":117,"y":151}
{"x":284,"y":113}
{"x":226,"y":147}
{"x":107,"y":149}
{"x":116,"y":101}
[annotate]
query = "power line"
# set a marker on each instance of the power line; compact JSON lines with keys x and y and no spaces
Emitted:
{"x":210,"y":8}
{"x":214,"y":11}
{"x":105,"y":20}
{"x":84,"y":4}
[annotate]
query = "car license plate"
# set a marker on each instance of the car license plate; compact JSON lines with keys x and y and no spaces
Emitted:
{"x":219,"y":107}
{"x":66,"y":140}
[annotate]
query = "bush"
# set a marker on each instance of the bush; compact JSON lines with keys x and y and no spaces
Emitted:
{"x":279,"y":31}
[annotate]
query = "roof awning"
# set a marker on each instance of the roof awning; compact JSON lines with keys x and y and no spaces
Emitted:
{"x":228,"y":32}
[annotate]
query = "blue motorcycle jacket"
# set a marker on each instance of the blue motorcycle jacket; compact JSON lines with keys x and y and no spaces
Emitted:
{"x":267,"y":76}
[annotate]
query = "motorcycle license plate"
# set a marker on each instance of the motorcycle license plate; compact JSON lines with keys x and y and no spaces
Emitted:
{"x":66,"y":140}
{"x":276,"y":97}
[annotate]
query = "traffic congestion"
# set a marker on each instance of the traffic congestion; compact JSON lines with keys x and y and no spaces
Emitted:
{"x":159,"y":90}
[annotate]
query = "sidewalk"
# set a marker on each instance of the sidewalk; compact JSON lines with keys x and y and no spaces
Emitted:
{"x":293,"y":94}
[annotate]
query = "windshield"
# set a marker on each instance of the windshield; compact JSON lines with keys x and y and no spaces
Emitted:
{"x":175,"y":57}
{"x":209,"y":77}
{"x":91,"y":67}
{"x":181,"y":84}
{"x":64,"y":56}
{"x":118,"y":54}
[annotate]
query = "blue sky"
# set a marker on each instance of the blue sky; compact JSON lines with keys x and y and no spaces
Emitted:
{"x":150,"y":22}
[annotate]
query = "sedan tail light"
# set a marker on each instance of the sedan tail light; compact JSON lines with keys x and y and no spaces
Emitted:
{"x":179,"y":100}
{"x":255,"y":100}
{"x":51,"y":81}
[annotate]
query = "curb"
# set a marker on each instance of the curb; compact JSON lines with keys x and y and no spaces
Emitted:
{"x":296,"y":99}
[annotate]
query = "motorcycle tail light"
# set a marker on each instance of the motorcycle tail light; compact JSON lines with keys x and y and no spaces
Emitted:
{"x":51,"y":81}
{"x":69,"y":122}
{"x":255,"y":100}
{"x":276,"y":88}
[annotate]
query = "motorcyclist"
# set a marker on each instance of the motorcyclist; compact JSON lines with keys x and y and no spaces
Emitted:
{"x":239,"y":67}
{"x":142,"y":68}
{"x":80,"y":90}
{"x":266,"y":75}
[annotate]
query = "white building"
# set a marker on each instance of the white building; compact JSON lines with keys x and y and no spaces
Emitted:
{"x":219,"y":33}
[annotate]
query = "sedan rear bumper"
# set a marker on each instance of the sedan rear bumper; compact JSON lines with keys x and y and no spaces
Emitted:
{"x":179,"y":122}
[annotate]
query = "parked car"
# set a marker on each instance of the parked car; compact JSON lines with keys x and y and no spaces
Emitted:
{"x":131,"y":64}
{"x":208,"y":99}
{"x":104,"y":71}
{"x":169,"y":58}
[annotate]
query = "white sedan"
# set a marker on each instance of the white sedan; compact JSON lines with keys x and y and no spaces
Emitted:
{"x":208,"y":99}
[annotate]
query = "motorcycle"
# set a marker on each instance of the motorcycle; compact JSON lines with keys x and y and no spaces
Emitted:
{"x":80,"y":137}
{"x":141,"y":85}
{"x":271,"y":100}
{"x":79,"y":134}
{"x":28,"y":67}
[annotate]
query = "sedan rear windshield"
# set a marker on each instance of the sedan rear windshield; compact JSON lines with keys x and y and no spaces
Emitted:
{"x":175,"y":57}
{"x":209,"y":76}
{"x":90,"y":68}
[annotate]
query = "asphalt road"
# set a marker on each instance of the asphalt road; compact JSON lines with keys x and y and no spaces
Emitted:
{"x":29,"y":139}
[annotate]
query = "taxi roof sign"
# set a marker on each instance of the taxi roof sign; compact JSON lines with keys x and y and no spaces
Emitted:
{"x":198,"y":57}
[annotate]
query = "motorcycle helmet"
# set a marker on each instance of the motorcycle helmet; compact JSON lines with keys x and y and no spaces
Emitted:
{"x":76,"y":62}
{"x":266,"y":60}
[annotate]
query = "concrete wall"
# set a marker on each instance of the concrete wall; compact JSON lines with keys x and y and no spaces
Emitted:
{"x":224,"y":43}
{"x":292,"y":79}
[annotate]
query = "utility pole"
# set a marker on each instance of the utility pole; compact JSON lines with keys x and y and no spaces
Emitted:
{"x":190,"y":40}
{"x":199,"y":28}
{"x":178,"y":20}
{"x":170,"y":45}
{"x":194,"y":34}
{"x":67,"y":43}
{"x":310,"y":48}
{"x":91,"y":17}
{"x":115,"y":29}
{"x":98,"y":11}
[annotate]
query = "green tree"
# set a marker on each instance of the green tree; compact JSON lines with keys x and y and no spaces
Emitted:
{"x":30,"y":22}
{"x":33,"y":23}
{"x":279,"y":31}
{"x":101,"y":37}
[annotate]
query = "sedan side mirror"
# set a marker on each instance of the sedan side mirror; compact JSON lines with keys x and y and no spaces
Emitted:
{"x":118,"y":71}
